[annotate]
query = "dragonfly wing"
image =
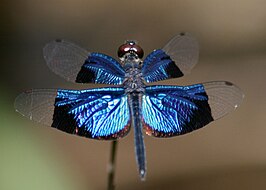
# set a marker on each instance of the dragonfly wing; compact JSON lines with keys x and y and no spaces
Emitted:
{"x":78,"y":65}
{"x":37,"y":105}
{"x":101,"y":113}
{"x":175,"y":110}
{"x":100,"y":68}
{"x":223,"y":97}
{"x":174,"y":60}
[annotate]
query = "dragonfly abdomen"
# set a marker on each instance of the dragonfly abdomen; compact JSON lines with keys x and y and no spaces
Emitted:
{"x":135,"y":111}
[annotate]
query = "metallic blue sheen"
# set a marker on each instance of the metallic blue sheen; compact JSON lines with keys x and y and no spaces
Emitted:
{"x":168,"y":109}
{"x":154,"y":56}
{"x":101,"y":111}
{"x":105,"y":68}
{"x":159,"y":66}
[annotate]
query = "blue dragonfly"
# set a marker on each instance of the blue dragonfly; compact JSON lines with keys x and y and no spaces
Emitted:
{"x":108,"y":113}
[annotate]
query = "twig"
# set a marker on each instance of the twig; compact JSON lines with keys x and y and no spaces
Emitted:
{"x":111,"y":166}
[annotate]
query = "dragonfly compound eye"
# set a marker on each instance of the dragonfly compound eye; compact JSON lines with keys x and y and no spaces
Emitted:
{"x":130,"y":47}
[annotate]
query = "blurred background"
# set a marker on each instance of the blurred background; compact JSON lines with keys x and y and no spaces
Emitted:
{"x":227,"y":154}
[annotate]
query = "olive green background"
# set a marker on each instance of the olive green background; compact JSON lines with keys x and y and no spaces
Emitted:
{"x":227,"y":154}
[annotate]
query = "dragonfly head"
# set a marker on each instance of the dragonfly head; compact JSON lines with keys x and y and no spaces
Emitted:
{"x":130,"y":49}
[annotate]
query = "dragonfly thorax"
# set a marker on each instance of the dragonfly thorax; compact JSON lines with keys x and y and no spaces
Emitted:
{"x":134,"y":81}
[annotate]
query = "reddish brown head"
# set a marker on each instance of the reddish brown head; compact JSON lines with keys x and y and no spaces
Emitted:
{"x":130,"y":46}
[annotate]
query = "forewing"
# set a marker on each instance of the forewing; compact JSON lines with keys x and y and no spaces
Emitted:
{"x":100,"y":68}
{"x":78,"y":65}
{"x":101,"y":113}
{"x":174,"y":60}
{"x":175,"y":110}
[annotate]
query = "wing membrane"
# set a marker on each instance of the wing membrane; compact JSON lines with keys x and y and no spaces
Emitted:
{"x":78,"y":65}
{"x":37,"y":105}
{"x":101,"y":113}
{"x":100,"y":68}
{"x":223,"y":97}
{"x":175,"y":110}
{"x":65,"y":58}
{"x":174,"y":60}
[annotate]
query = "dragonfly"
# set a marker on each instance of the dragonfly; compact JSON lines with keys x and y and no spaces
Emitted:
{"x":129,"y":98}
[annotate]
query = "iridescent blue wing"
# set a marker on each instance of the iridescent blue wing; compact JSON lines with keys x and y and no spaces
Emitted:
{"x":78,"y":65}
{"x":175,"y":110}
{"x":101,"y":113}
{"x":174,"y":60}
{"x":100,"y":68}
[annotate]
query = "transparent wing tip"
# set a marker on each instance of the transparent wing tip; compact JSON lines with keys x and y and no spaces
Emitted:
{"x":224,"y":97}
{"x":50,"y":47}
{"x":184,"y":50}
{"x":237,"y":92}
{"x":23,"y":104}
